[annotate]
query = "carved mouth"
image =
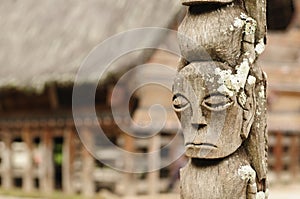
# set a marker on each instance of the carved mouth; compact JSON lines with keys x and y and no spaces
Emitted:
{"x":190,"y":144}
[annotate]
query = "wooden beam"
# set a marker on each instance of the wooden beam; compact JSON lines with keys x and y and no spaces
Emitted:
{"x":53,"y":98}
{"x":284,"y":122}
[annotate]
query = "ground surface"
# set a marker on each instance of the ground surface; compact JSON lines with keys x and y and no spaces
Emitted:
{"x":290,"y":191}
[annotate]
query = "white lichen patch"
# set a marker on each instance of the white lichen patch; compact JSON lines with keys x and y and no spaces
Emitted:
{"x":251,"y":60}
{"x":243,"y":16}
{"x":238,"y":23}
{"x":250,"y":56}
{"x":260,"y":47}
{"x":242,"y":99}
{"x":261,"y":93}
{"x":250,"y":26}
{"x":224,"y":90}
{"x":247,"y":173}
{"x":260,"y":195}
{"x":242,"y":73}
{"x":225,"y":81}
{"x":258,"y":113}
{"x":245,"y":21}
{"x":251,"y":80}
{"x":232,"y":83}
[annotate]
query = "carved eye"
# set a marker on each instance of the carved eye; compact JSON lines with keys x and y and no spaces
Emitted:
{"x":217,"y":102}
{"x":180,"y":102}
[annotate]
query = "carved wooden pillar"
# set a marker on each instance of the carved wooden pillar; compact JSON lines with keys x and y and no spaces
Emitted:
{"x":220,"y":97}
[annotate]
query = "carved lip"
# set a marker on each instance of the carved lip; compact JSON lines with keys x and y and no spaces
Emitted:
{"x":206,"y":145}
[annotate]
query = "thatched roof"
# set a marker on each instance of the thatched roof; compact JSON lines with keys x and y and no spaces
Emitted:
{"x":46,"y":41}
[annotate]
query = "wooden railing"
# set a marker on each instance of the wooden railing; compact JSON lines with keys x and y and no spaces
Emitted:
{"x":284,"y":160}
{"x":284,"y":156}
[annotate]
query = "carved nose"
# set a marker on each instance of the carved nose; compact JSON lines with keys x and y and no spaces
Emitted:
{"x":198,"y":121}
{"x":198,"y":126}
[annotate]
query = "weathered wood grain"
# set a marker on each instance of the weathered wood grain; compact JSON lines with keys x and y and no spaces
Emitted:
{"x":220,"y":98}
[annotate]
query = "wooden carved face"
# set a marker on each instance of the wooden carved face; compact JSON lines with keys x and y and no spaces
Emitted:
{"x":212,"y":114}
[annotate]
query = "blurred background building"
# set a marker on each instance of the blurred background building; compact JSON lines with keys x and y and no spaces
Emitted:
{"x":43,"y":44}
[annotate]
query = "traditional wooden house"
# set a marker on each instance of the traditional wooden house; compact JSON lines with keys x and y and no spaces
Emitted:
{"x":42,"y":47}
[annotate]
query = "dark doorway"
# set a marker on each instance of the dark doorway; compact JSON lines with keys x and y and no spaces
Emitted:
{"x":58,"y":158}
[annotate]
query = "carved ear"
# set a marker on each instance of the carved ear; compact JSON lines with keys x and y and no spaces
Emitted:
{"x":249,"y":110}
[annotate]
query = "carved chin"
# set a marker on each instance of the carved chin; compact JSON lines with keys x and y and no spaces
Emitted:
{"x":199,"y":150}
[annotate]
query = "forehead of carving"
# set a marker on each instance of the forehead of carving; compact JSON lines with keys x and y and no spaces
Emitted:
{"x":204,"y":68}
{"x":202,"y":74}
{"x":188,"y":81}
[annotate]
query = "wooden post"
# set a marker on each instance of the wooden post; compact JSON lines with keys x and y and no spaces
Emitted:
{"x":7,"y":166}
{"x":53,"y":98}
{"x":220,"y":96}
{"x":129,"y":178}
{"x":28,"y":171}
{"x":294,"y":156}
{"x":278,"y":153}
{"x":153,"y":162}
{"x":47,"y":171}
{"x":67,"y":165}
{"x":88,"y":185}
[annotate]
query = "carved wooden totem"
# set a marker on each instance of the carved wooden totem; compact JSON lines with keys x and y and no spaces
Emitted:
{"x":220,"y":98}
